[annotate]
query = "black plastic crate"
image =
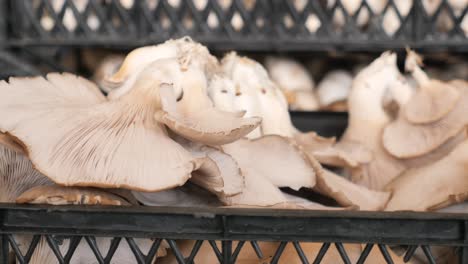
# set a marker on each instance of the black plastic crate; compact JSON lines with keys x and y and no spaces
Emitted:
{"x":410,"y":231}
{"x":254,"y":25}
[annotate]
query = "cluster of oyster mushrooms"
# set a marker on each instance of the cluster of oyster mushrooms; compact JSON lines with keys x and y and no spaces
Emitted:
{"x":181,"y":128}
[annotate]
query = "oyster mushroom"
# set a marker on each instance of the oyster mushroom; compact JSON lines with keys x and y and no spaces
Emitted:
{"x":367,"y":120}
{"x":186,"y":50}
{"x":194,"y":116}
{"x":260,"y":172}
{"x":333,"y":90}
{"x":434,"y":186}
{"x":348,"y":194}
{"x":95,"y":142}
{"x":257,"y":95}
{"x":295,"y":82}
{"x":433,"y":100}
{"x":219,"y":173}
{"x":405,"y":139}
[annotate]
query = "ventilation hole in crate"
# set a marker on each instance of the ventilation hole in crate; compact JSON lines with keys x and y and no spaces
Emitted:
{"x":164,"y":21}
{"x":200,"y":4}
{"x":212,"y":20}
{"x":288,"y":21}
{"x":187,"y":21}
{"x":174,"y":3}
{"x":237,"y":22}
{"x":93,"y":22}
{"x":312,"y":23}
{"x":443,"y":21}
{"x":464,"y":25}
{"x":47,"y":22}
{"x":431,"y":6}
{"x":260,"y":22}
{"x":127,"y":4}
{"x":299,"y":5}
{"x":249,"y":4}
{"x":152,"y":4}
{"x":69,"y":20}
{"x":391,"y":22}
{"x":225,"y":4}
{"x":338,"y":20}
{"x":362,"y":18}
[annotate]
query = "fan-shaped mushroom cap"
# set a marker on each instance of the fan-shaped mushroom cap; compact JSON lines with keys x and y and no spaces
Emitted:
{"x":219,"y":172}
{"x":434,"y":186}
{"x":194,"y":116}
{"x":433,"y":100}
{"x":294,"y":80}
{"x":94,"y":142}
{"x":349,"y":194}
{"x":59,"y":195}
{"x":17,"y":175}
{"x":256,"y":90}
{"x":367,"y":119}
{"x":184,"y":49}
{"x":334,"y":87}
{"x":278,"y":159}
{"x":404,"y":139}
{"x":326,"y":151}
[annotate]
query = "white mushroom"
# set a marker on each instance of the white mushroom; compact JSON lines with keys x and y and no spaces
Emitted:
{"x":434,"y":186}
{"x":256,"y":94}
{"x":295,"y":82}
{"x":367,"y":119}
{"x":94,"y":142}
{"x":333,"y":90}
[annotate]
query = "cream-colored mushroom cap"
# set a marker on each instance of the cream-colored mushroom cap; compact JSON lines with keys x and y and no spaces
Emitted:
{"x":194,"y":117}
{"x":75,"y":136}
{"x":404,"y":139}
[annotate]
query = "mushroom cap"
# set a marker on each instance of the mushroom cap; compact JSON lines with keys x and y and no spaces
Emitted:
{"x":94,"y":142}
{"x":334,"y":87}
{"x":184,"y":49}
{"x":434,"y":186}
{"x":289,"y":74}
{"x":326,"y":151}
{"x":194,"y":116}
{"x":257,"y":94}
{"x":219,"y":173}
{"x":17,"y":175}
{"x":404,"y":139}
{"x":277,"y":158}
{"x":349,"y":194}
{"x":431,"y":102}
{"x":59,"y":195}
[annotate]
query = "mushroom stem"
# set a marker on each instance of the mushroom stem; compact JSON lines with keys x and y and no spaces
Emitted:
{"x":412,"y":64}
